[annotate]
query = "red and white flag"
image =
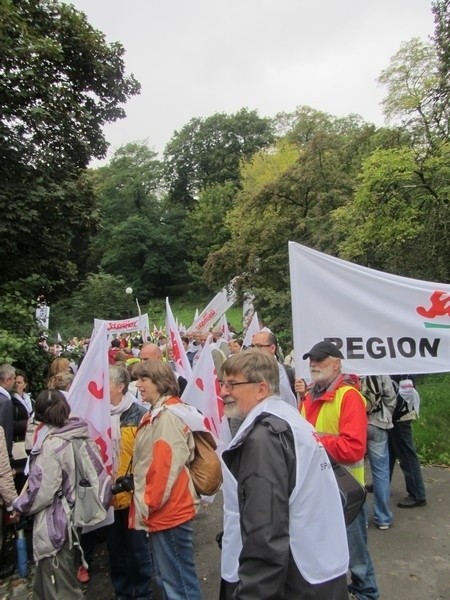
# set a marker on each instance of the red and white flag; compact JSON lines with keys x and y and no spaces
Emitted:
{"x":89,"y":394}
{"x":182,"y":363}
{"x":203,"y":392}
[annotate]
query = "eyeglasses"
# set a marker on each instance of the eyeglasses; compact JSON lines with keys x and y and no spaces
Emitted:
{"x":230,"y":385}
{"x":259,"y":346}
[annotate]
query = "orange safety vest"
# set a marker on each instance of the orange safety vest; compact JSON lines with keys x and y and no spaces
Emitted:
{"x":328,"y":422}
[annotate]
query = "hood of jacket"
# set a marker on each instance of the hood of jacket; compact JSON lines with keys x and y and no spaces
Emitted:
{"x":74,"y":428}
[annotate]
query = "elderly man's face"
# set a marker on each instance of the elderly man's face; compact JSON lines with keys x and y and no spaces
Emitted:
{"x":324,"y":371}
{"x":240,"y":396}
{"x":8,"y":383}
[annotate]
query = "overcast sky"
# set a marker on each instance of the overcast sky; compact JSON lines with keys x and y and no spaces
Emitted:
{"x":194,"y":58}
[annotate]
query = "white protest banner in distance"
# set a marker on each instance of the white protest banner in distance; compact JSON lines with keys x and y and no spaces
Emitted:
{"x":383,"y":324}
{"x":139,"y":323}
{"x":215,"y":309}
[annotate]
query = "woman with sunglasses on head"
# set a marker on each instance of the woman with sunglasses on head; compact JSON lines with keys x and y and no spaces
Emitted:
{"x":52,"y":474}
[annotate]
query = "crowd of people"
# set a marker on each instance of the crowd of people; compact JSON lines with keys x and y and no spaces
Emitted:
{"x":284,"y":530}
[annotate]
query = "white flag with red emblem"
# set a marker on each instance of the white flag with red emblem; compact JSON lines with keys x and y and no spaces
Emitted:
{"x":89,"y":393}
{"x":203,"y":392}
{"x":182,"y":364}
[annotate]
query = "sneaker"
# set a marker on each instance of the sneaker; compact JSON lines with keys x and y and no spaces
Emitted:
{"x":383,"y":526}
{"x":82,"y":574}
{"x":410,"y":502}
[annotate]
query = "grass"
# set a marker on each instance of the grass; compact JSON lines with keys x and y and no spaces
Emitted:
{"x":431,"y":429}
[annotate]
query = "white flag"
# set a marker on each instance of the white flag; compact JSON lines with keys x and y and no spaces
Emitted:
{"x":223,"y":324}
{"x":182,"y":364}
{"x":215,"y":309}
{"x":253,"y":328}
{"x":203,"y":392}
{"x":383,"y":324}
{"x":89,"y":394}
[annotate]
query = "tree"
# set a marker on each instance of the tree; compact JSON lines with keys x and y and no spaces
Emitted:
{"x":142,"y":238}
{"x":60,"y":82}
{"x":19,"y":332}
{"x":399,"y":219}
{"x":289,"y":193}
{"x":205,"y":225}
{"x":400,"y":212}
{"x":441,"y":11}
{"x":208,"y":151}
{"x":411,"y":81}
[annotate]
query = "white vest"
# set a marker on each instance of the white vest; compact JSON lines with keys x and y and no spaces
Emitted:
{"x":318,"y":539}
{"x":286,"y":392}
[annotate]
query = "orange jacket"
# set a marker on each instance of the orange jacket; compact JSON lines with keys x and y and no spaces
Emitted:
{"x":164,"y":495}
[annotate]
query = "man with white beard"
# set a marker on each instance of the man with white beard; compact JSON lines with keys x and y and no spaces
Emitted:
{"x":337,"y":410}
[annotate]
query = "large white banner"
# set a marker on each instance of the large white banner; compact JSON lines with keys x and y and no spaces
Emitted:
{"x":215,"y":309}
{"x":382,"y":323}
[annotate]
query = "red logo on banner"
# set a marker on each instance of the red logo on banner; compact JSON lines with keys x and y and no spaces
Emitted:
{"x":440,"y":306}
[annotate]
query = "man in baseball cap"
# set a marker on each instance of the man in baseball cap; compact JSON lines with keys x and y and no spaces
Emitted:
{"x":323,"y":350}
{"x":337,"y":410}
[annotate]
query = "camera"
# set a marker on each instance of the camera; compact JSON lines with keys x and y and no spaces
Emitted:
{"x":123,"y":484}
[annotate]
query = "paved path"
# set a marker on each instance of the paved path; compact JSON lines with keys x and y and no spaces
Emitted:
{"x":412,"y":559}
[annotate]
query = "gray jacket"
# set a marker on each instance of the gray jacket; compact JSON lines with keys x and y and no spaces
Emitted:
{"x":382,"y":417}
{"x":52,"y":469}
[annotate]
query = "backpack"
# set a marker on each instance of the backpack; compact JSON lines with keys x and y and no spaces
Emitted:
{"x":92,"y":491}
{"x":205,"y":469}
{"x":93,"y":484}
{"x":372,"y":394}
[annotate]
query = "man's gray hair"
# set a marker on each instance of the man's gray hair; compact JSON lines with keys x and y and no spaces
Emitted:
{"x":119,"y":375}
{"x":255,"y":366}
{"x":6,"y":371}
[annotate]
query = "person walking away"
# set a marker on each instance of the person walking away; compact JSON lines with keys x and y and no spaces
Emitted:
{"x":379,"y":393}
{"x":52,"y":475}
{"x":401,"y":442}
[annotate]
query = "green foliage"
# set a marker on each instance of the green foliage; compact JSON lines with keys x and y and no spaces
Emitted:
{"x":19,"y":333}
{"x":288,"y":193}
{"x":45,"y":231}
{"x":142,"y":239}
{"x":205,"y":227}
{"x":102,"y":296}
{"x":431,"y":429}
{"x":209,"y":151}
{"x":60,"y":83}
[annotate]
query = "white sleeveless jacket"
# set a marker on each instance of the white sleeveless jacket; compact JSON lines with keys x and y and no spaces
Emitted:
{"x":318,"y":540}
